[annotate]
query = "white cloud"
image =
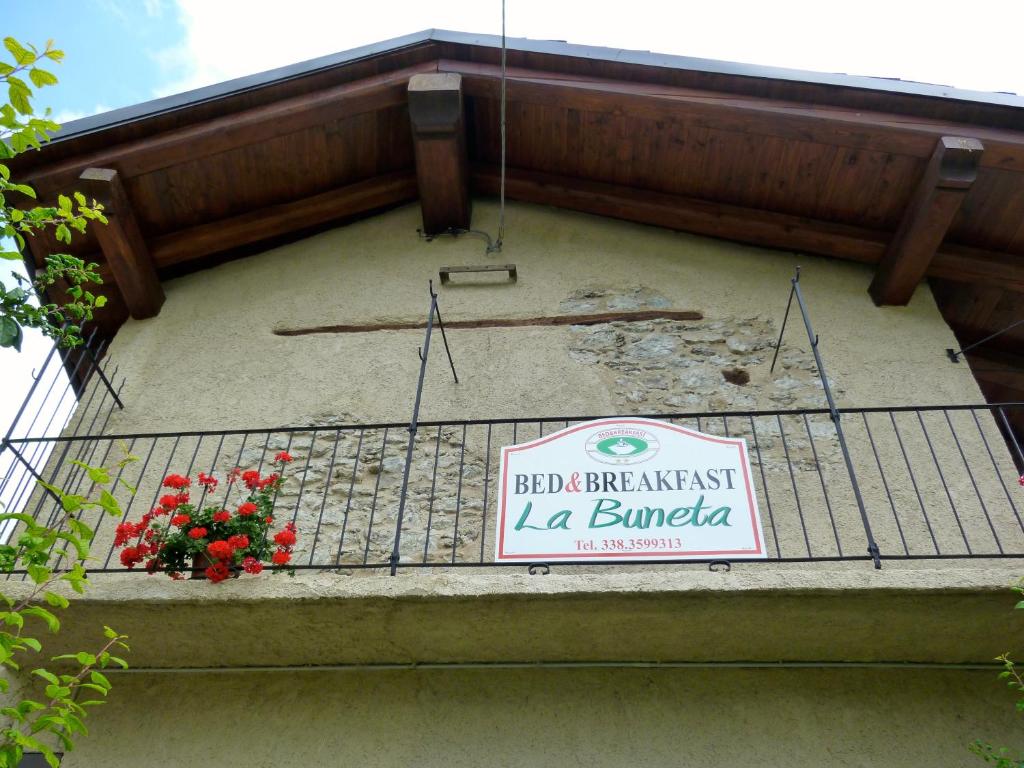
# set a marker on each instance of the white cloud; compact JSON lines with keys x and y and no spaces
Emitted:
{"x":231,"y":38}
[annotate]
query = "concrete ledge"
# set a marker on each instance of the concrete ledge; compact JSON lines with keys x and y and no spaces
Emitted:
{"x":749,"y":614}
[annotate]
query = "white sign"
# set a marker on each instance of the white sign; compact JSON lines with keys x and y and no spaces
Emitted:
{"x":627,"y":489}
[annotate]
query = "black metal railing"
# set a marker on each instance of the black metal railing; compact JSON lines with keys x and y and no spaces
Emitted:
{"x":74,"y":392}
{"x":935,"y":482}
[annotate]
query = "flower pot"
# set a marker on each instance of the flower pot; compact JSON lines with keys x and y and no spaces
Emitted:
{"x":202,"y":561}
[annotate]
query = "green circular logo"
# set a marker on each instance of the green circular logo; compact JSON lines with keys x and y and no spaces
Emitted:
{"x":622,"y":446}
{"x":625,"y":444}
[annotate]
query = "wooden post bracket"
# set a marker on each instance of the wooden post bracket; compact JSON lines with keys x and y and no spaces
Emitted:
{"x":122,"y":243}
{"x":943,"y":187}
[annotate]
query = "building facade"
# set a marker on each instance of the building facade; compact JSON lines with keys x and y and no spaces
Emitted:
{"x":398,"y":639}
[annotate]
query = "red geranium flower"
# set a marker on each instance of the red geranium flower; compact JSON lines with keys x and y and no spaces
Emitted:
{"x":153,"y":565}
{"x":281,"y":557}
{"x":130,"y":557}
{"x":248,"y":508}
{"x":284,"y":538}
{"x":207,"y":481}
{"x":269,"y":480}
{"x":1021,"y":480}
{"x":218,"y":572}
{"x":177,"y":481}
{"x":239,"y":541}
{"x":283,"y":457}
{"x":197,"y":533}
{"x":252,"y":565}
{"x":251,"y":478}
{"x":169,"y":502}
{"x":221,"y":517}
{"x":220,"y":550}
{"x":181,"y":520}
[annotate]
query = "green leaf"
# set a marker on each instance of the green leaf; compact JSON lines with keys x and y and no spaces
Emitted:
{"x":51,"y":621}
{"x":41,"y":78}
{"x":39,"y":573}
{"x":46,"y":675}
{"x":32,"y":643}
{"x":10,"y":332}
{"x":100,"y":679}
{"x":101,"y":301}
{"x":109,"y":503}
{"x":22,"y":56}
{"x":57,"y":601}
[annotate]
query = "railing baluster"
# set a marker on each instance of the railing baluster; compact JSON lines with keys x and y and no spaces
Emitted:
{"x":913,"y":482}
{"x":323,"y":501}
{"x":430,"y":502}
{"x":458,"y":496}
{"x":824,"y":490}
{"x":970,"y":474}
{"x":351,"y":488}
{"x":999,"y":474}
{"x":792,"y":479}
{"x":764,"y":483}
{"x":376,"y":489}
{"x":885,"y":483}
{"x":487,"y":477}
{"x":945,"y":487}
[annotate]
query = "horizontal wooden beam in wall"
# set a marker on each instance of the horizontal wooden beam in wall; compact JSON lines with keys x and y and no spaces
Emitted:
{"x":249,"y":126}
{"x":275,"y":220}
{"x":745,"y":225}
{"x":838,"y":126}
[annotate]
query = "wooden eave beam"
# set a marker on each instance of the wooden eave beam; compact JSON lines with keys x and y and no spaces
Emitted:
{"x":250,"y":126}
{"x":856,"y":129}
{"x":936,"y":199}
{"x":122,"y":244}
{"x":439,"y":139}
{"x":275,"y":220}
{"x":746,"y":225}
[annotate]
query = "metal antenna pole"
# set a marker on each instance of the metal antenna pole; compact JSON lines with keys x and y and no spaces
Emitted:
{"x":424,"y":354}
{"x":812,"y":337}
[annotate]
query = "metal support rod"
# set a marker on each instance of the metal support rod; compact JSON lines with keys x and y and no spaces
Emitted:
{"x":955,"y":355}
{"x":5,"y":443}
{"x":413,"y":426}
{"x":444,"y":337}
{"x":785,"y":317}
{"x":812,"y":337}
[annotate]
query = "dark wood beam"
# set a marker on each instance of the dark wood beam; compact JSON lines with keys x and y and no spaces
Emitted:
{"x":745,"y":225}
{"x":844,"y":127}
{"x":940,"y":192}
{"x":439,"y":138}
{"x":121,"y":241}
{"x":221,"y":134}
{"x":275,"y":220}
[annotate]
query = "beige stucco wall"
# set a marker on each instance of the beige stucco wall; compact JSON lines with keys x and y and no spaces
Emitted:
{"x":612,"y":717}
{"x":210,"y":359}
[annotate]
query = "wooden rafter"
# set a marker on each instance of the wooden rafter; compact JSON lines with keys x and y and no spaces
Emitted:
{"x":940,"y":192}
{"x":836,"y":126}
{"x":747,"y":225}
{"x":251,"y":126}
{"x":439,"y":139}
{"x":122,"y":244}
{"x":275,"y":220}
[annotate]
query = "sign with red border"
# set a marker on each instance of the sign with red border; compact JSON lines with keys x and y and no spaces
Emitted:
{"x":627,"y":489}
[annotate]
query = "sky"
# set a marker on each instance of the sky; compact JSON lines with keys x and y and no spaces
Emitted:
{"x":122,"y":52}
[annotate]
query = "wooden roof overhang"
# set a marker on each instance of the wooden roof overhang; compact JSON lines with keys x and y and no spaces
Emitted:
{"x":925,"y":181}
